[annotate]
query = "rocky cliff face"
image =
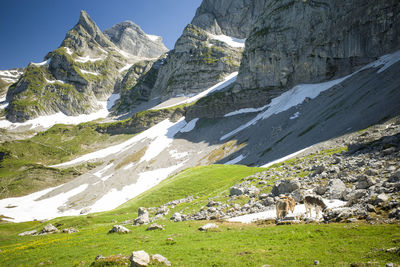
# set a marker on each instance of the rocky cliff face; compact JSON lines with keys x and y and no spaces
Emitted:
{"x":198,"y":61}
{"x":229,"y":17}
{"x":130,"y":38}
{"x":82,"y":71}
{"x":296,"y":42}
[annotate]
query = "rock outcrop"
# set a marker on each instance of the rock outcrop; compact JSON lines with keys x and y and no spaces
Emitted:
{"x":296,"y":42}
{"x":197,"y":62}
{"x":130,"y":38}
{"x":229,"y":17}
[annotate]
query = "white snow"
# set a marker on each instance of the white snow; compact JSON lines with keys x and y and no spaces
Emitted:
{"x":68,"y":50}
{"x":271,"y":214}
{"x":245,"y":110}
{"x":235,"y":160}
{"x":29,"y":208}
{"x":89,"y":72}
{"x":300,"y":92}
{"x":10,"y":73}
{"x":126,"y":67}
{"x":190,"y":126}
{"x":46,"y":62}
{"x":287,"y":100}
{"x":105,"y":178}
{"x":176,"y":155}
{"x":295,"y":115}
{"x":285,"y":158}
{"x":50,"y":120}
{"x":130,"y":165}
{"x":54,"y":81}
{"x":231,"y":41}
{"x":102,"y":171}
{"x":154,"y":38}
{"x":166,"y":127}
{"x":87,"y":58}
{"x":384,"y":61}
{"x":162,"y":138}
{"x":231,"y":78}
{"x":146,"y":180}
{"x":112,"y":99}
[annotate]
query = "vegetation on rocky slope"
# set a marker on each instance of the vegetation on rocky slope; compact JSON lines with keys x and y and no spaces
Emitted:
{"x":232,"y":244}
{"x":22,"y":162}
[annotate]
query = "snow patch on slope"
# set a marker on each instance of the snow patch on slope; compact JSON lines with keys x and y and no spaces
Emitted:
{"x":231,"y":41}
{"x":166,"y":127}
{"x":299,"y":210}
{"x":29,"y":207}
{"x":146,"y":180}
{"x":50,"y":120}
{"x":231,"y":78}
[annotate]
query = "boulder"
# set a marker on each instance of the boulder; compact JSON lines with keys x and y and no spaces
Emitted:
{"x":33,"y":232}
{"x":119,"y":229}
{"x":160,"y":260}
{"x":285,"y":187}
{"x":69,"y":230}
{"x":49,"y":229}
{"x":155,"y":227}
{"x":336,"y":188}
{"x":139,"y":258}
{"x":236,"y":191}
{"x":364,"y":182}
{"x":143,"y":216}
{"x":176,"y":217}
{"x":208,"y":226}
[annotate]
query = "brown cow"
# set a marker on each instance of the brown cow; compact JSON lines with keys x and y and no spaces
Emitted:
{"x":292,"y":203}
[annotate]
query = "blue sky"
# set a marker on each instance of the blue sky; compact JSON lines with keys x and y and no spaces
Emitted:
{"x":29,"y":29}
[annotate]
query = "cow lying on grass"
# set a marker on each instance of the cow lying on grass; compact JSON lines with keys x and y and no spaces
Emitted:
{"x":283,"y":205}
{"x":315,"y":202}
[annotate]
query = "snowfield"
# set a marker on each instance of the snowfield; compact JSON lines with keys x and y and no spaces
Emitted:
{"x":299,"y":211}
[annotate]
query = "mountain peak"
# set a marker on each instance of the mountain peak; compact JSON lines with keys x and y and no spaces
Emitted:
{"x":129,"y":37}
{"x":87,"y":23}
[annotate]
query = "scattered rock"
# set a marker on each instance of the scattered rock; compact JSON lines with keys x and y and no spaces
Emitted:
{"x":160,"y":260}
{"x":176,"y":217}
{"x":33,"y":232}
{"x":112,"y":260}
{"x":143,"y":217}
{"x":208,"y":226}
{"x":336,"y":188}
{"x":139,"y":258}
{"x":119,"y":229}
{"x":70,"y":230}
{"x":285,"y":187}
{"x":49,"y":229}
{"x":236,"y":191}
{"x":155,"y":227}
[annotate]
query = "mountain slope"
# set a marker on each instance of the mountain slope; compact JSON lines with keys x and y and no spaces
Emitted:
{"x":74,"y":77}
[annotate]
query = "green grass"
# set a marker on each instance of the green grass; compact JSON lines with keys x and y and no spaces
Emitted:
{"x":22,"y":164}
{"x":232,"y":244}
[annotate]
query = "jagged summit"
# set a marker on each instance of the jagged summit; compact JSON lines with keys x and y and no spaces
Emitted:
{"x":129,"y":37}
{"x":85,"y":34}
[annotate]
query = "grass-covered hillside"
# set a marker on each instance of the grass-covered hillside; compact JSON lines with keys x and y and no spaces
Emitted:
{"x":23,"y":163}
{"x":232,"y":244}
